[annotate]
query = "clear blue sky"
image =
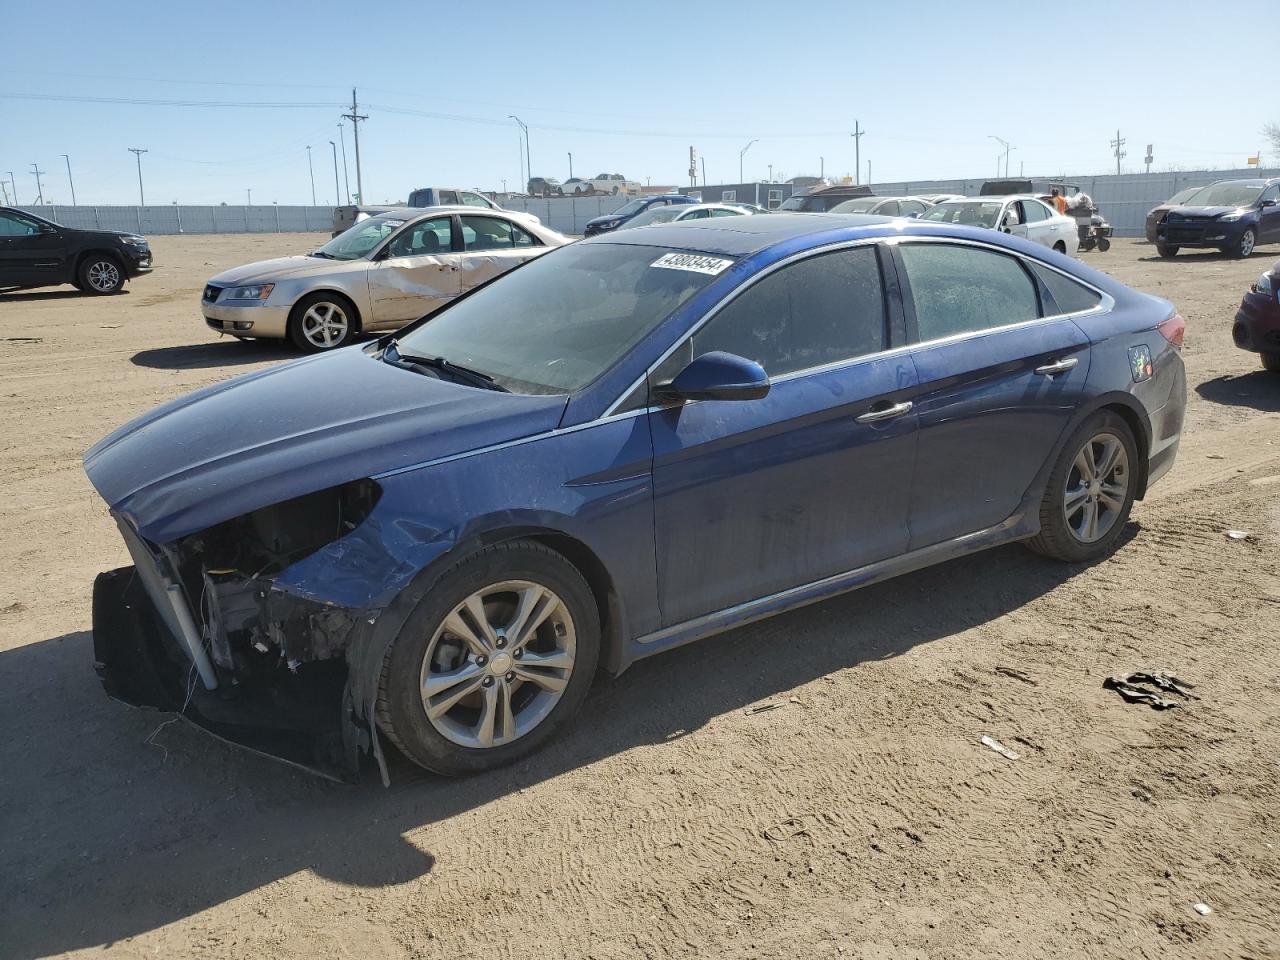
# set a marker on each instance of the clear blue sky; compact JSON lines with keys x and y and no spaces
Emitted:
{"x":627,"y":88}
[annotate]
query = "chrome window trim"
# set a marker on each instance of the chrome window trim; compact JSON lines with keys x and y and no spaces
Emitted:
{"x":1105,"y":304}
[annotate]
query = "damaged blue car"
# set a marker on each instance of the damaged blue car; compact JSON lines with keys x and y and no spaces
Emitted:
{"x":437,"y":540}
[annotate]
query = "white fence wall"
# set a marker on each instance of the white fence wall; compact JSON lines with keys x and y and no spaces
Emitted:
{"x":568,"y":214}
{"x":160,"y":220}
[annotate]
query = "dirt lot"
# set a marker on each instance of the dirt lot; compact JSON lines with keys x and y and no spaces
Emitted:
{"x":862,"y":818}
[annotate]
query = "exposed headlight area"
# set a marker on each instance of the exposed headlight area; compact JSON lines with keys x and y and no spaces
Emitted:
{"x":135,"y":241}
{"x":1267,"y":284}
{"x":254,"y":293}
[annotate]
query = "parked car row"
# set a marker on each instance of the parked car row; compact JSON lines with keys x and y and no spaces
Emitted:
{"x":1233,"y":216}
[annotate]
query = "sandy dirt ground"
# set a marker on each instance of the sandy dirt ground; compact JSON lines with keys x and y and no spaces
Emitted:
{"x":861,"y":818}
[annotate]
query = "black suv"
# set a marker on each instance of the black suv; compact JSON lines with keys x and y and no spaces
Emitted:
{"x":35,"y":252}
{"x":822,"y":199}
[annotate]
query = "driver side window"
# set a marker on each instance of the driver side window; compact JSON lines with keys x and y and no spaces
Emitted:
{"x":12,"y":225}
{"x":422,"y":239}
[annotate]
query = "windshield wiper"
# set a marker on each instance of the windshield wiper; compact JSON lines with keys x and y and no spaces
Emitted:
{"x":321,"y":253}
{"x":456,"y":371}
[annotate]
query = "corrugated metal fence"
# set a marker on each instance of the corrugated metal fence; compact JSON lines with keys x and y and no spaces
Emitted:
{"x":568,"y":214}
{"x":175,"y":218}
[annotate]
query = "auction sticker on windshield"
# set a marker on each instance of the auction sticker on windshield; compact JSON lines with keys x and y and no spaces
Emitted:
{"x":695,"y":262}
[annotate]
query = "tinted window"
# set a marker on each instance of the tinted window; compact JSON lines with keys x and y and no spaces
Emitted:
{"x":1033,"y":211}
{"x":910,"y":207}
{"x":1068,"y":296}
{"x":888,"y":209}
{"x":696,"y":215}
{"x":422,"y":239}
{"x":493,"y":233}
{"x":726,"y":213}
{"x":821,"y":310}
{"x":448,"y":197}
{"x":13,"y":226}
{"x":474,"y":200}
{"x":959,"y":289}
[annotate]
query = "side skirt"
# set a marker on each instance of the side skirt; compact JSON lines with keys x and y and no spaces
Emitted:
{"x":1020,"y":526}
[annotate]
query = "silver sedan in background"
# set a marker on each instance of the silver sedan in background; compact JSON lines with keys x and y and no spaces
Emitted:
{"x":378,"y":275}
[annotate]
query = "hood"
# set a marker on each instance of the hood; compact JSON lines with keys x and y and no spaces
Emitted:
{"x":1203,"y":213}
{"x":607,"y":218}
{"x":283,"y":268}
{"x":293,"y":429}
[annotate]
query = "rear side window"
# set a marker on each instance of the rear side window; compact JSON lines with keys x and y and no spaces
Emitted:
{"x":473,"y":200}
{"x":821,"y":310}
{"x":962,"y":289}
{"x":449,"y":197}
{"x":1068,"y":296}
{"x":1033,"y":211}
{"x":493,"y":233}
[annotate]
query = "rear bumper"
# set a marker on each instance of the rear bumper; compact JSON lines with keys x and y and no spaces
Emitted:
{"x":263,"y":321}
{"x":1257,"y":325}
{"x":303,"y":722}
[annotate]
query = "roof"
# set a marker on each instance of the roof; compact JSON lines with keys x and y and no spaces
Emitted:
{"x":741,"y":236}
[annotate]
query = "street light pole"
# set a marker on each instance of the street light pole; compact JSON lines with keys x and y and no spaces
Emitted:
{"x":337,"y":193}
{"x":142,"y":200}
{"x":528,"y":162}
{"x":570,"y":164}
{"x":69,"y":180}
{"x":311,"y":170}
{"x":822,"y":168}
{"x":742,"y":153}
{"x":346,"y":174}
{"x":1007,"y":147}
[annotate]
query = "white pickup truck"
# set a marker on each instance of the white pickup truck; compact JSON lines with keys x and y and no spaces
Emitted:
{"x":346,"y":217}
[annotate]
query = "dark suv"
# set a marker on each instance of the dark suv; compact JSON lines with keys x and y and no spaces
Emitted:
{"x":632,"y":208}
{"x":35,"y":252}
{"x":1232,"y":215}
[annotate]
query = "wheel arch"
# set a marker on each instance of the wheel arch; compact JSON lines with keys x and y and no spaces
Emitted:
{"x":84,"y":255}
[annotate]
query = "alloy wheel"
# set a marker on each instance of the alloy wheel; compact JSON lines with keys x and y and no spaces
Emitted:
{"x":103,"y":275}
{"x":325,"y":325}
{"x":1097,"y":487}
{"x":1246,"y":243}
{"x":498,"y":664}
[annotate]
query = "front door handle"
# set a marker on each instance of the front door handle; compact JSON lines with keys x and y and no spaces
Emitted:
{"x":1057,"y":367}
{"x":885,"y":413}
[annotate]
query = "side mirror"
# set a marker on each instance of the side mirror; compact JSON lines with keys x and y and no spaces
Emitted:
{"x":1268,"y":203}
{"x":717,"y":376}
{"x":45,"y":228}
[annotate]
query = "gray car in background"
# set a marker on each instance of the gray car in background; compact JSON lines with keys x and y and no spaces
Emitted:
{"x":380,"y":274}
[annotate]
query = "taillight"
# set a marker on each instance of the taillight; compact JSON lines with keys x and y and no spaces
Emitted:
{"x":1173,"y":329}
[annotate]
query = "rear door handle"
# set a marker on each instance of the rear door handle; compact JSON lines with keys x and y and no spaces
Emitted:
{"x":885,"y":413}
{"x":1057,"y":367}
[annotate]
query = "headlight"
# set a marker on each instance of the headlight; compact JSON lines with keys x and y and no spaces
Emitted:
{"x":1266,"y":284}
{"x":1230,"y":217}
{"x":133,"y":241}
{"x":259,"y":291}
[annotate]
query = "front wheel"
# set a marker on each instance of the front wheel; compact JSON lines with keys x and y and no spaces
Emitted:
{"x":492,"y":662}
{"x":1166,"y":251}
{"x":1271,"y":361}
{"x":1244,"y":246}
{"x":1090,"y":491}
{"x":101,"y":274}
{"x":322,"y":321}
{"x":1104,"y":244}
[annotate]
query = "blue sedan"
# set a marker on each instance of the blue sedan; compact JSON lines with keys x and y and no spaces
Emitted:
{"x":631,"y":443}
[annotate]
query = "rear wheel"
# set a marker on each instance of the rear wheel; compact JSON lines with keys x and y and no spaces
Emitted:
{"x":1060,"y":247}
{"x":1104,"y":244}
{"x":1090,"y":491}
{"x":101,"y":273}
{"x":1271,"y":361}
{"x":492,"y":662}
{"x":322,"y":321}
{"x":1166,"y":251}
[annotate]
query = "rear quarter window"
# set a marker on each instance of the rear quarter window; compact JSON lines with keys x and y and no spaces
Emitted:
{"x":1067,"y":295}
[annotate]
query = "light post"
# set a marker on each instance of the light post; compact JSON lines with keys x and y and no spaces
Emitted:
{"x":346,"y":174}
{"x":570,"y":164}
{"x":528,"y":162}
{"x":311,"y":170}
{"x":337,"y":193}
{"x":822,"y":168}
{"x":1007,"y":147}
{"x":742,"y":153}
{"x":70,"y":180}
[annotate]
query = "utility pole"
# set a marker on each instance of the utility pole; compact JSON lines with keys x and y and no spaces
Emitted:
{"x":311,"y":170}
{"x":857,"y":148}
{"x":248,"y":195}
{"x":72,"y":182}
{"x":771,"y":173}
{"x":346,"y":174}
{"x":4,"y":189}
{"x":822,"y":168}
{"x":39,"y":190}
{"x":742,"y":153}
{"x":1117,"y":145}
{"x":868,"y":173}
{"x":1149,"y":157}
{"x":1008,"y":148}
{"x":13,"y":183}
{"x":704,"y":169}
{"x":693,"y":167}
{"x":570,"y":164}
{"x":528,"y":163}
{"x":142,"y":200}
{"x":355,"y":116}
{"x":337,"y":193}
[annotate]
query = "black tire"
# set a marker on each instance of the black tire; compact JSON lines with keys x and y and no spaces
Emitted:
{"x":400,"y":710}
{"x":1104,"y":244}
{"x":1166,"y":251}
{"x":302,"y":320}
{"x":100,"y":274}
{"x":1271,"y":361}
{"x":1057,"y":538}
{"x":1245,"y":245}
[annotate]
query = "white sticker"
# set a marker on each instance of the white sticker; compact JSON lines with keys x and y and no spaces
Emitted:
{"x":696,"y":262}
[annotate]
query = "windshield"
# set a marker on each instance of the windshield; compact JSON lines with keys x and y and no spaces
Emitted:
{"x":360,"y":240}
{"x":792,"y":203}
{"x":861,"y":205}
{"x":1182,"y":196}
{"x":628,"y":208}
{"x":973,"y":213}
{"x":1224,"y":195}
{"x":557,"y":323}
{"x":653,"y":215}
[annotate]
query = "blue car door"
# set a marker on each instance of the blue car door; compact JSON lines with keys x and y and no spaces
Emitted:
{"x":753,"y":497}
{"x":999,"y":378}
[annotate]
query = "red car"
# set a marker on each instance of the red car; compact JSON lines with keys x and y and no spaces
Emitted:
{"x":1257,"y":325}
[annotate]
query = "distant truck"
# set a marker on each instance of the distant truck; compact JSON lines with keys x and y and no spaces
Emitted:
{"x":345,"y":217}
{"x":1036,"y":188}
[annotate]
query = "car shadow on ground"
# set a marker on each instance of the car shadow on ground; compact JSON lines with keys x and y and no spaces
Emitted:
{"x":1199,"y":254}
{"x":32,"y":296}
{"x":1259,"y":390}
{"x":115,"y":825}
{"x":227,"y":352}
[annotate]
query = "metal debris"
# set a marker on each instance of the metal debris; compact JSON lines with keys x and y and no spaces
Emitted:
{"x":1127,"y":687}
{"x":1165,"y":681}
{"x":1239,"y":535}
{"x":999,"y":747}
